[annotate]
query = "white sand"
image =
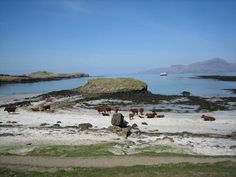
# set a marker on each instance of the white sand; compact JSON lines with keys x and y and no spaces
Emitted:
{"x":173,"y":122}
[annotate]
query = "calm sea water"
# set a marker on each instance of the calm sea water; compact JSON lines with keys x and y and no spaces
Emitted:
{"x":172,"y":84}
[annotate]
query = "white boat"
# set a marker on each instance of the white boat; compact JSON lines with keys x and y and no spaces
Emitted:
{"x":163,"y":74}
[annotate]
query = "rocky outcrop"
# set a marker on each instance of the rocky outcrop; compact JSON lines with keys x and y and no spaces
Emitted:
{"x":37,"y":77}
{"x":110,"y":85}
{"x":124,"y":132}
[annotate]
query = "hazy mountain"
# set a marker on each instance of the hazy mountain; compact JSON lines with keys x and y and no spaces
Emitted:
{"x":215,"y":65}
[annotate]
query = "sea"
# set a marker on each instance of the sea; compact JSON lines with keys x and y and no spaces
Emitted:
{"x":173,"y":84}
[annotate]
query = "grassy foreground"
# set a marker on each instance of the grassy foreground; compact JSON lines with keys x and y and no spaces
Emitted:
{"x":225,"y":169}
{"x":100,"y":150}
{"x":95,"y":150}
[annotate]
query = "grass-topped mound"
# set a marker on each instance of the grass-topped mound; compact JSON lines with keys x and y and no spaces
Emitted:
{"x":37,"y":77}
{"x":110,"y":85}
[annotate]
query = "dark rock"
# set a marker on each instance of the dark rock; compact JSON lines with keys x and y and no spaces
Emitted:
{"x":233,"y":147}
{"x":56,"y":125}
{"x":186,"y":93}
{"x":59,"y":122}
{"x":43,"y":124}
{"x":134,"y":126}
{"x":131,"y":143}
{"x":144,"y":123}
{"x":85,"y":126}
{"x":233,"y":135}
{"x":125,"y":132}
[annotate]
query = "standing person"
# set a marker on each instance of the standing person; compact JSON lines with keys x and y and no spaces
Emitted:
{"x":118,"y":120}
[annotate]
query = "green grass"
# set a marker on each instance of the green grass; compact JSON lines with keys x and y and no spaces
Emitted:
{"x":96,"y":150}
{"x":223,"y":169}
{"x":73,"y":151}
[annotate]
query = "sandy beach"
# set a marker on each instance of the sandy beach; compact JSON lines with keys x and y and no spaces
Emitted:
{"x":185,"y":132}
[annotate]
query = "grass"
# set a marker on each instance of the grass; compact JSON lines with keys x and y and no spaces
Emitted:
{"x":223,"y":169}
{"x":73,"y":151}
{"x":99,"y":150}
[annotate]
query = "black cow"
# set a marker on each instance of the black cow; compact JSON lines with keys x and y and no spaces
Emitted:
{"x":10,"y":108}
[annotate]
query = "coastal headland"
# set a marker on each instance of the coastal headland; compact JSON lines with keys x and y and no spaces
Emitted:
{"x":38,"y":77}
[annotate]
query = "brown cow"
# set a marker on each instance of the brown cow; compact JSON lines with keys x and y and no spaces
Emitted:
{"x":46,"y":107}
{"x":160,"y":116}
{"x":10,"y":108}
{"x":36,"y":109}
{"x":141,"y":110}
{"x":131,"y":116}
{"x":208,"y":118}
{"x":105,"y":114}
{"x":134,"y":110}
{"x":151,"y":115}
{"x":109,"y":109}
{"x":154,"y":110}
{"x":103,"y":109}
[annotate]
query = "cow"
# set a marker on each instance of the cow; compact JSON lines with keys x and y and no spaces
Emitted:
{"x":10,"y":108}
{"x":154,"y":110}
{"x":105,"y":114}
{"x":36,"y":109}
{"x":151,"y":115}
{"x":131,"y":116}
{"x":160,"y":116}
{"x":108,"y":109}
{"x":208,"y":118}
{"x":141,"y":110}
{"x":134,"y":110}
{"x":103,"y":109}
{"x":46,"y":107}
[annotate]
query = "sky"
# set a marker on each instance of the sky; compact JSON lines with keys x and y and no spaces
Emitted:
{"x":113,"y":36}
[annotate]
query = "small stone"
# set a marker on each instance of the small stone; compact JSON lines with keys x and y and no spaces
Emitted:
{"x":144,"y":123}
{"x":43,"y":124}
{"x":134,"y":126}
{"x":233,"y":135}
{"x":85,"y":126}
{"x":56,"y":125}
{"x":168,"y":138}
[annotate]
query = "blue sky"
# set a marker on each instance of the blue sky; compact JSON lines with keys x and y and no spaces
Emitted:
{"x":113,"y":36}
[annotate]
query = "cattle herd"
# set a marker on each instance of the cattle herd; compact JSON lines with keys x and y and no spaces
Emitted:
{"x":106,"y":110}
{"x":11,"y":108}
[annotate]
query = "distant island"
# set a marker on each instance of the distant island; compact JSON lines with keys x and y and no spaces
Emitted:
{"x":216,"y":77}
{"x":37,"y":77}
{"x":215,"y":65}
